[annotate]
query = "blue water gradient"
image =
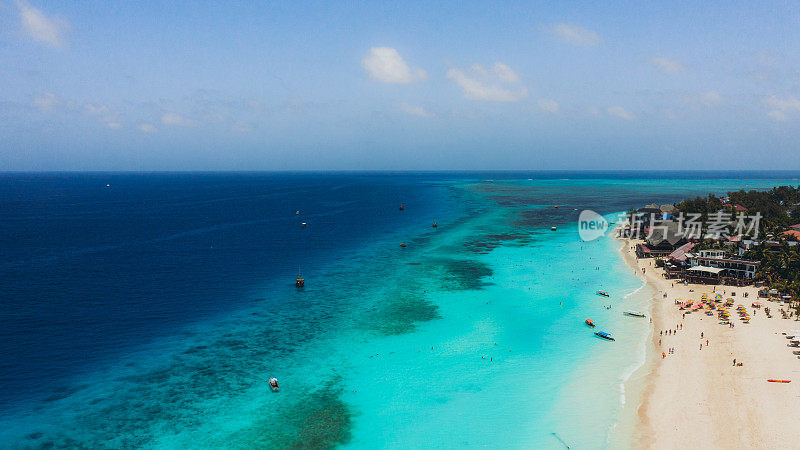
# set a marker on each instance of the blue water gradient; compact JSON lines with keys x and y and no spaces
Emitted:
{"x":148,"y":309}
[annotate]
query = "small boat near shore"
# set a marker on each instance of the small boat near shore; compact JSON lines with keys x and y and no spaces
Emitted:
{"x":604,"y":335}
{"x":589,"y":322}
{"x":634,"y":313}
{"x":603,"y":293}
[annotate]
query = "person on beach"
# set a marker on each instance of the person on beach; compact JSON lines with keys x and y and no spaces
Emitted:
{"x":706,"y":342}
{"x":734,"y":362}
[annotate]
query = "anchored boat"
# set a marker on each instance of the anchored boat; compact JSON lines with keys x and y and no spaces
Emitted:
{"x":604,"y":335}
{"x":634,"y":313}
{"x":590,"y":323}
{"x":603,"y":293}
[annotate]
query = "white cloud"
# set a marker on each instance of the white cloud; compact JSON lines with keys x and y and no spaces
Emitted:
{"x":667,"y":65}
{"x":780,"y":108}
{"x":549,"y":105}
{"x":505,"y":73}
{"x":576,"y":35}
{"x":146,"y":128}
{"x":47,"y":102}
{"x":47,"y":30}
{"x":621,"y":112}
{"x":500,"y":85}
{"x":104,"y":115}
{"x":384,"y":64}
{"x":175,"y":119}
{"x":93,"y":109}
{"x":415,"y":110}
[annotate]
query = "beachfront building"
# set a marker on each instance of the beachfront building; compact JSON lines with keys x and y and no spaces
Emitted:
{"x":791,"y":235}
{"x":677,"y":261}
{"x":716,"y":266}
{"x":662,"y":239}
{"x":640,"y":221}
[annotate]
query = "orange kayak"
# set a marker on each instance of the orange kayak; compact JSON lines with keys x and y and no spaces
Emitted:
{"x":590,"y":323}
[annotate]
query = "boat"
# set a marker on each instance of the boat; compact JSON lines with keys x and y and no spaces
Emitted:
{"x":603,"y":293}
{"x":302,"y":224}
{"x":589,"y":322}
{"x":402,"y":207}
{"x":604,"y":335}
{"x":403,"y":244}
{"x":435,"y":224}
{"x":553,"y":228}
{"x":273,"y":384}
{"x":634,"y":313}
{"x":299,"y":281}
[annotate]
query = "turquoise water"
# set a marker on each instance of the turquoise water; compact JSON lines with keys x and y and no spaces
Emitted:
{"x":473,"y":335}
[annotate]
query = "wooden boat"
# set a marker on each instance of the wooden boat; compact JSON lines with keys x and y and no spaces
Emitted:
{"x":603,"y":293}
{"x":604,"y":335}
{"x":589,"y":322}
{"x":634,"y":313}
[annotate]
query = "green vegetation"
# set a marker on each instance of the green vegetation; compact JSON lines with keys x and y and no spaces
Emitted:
{"x":779,"y":207}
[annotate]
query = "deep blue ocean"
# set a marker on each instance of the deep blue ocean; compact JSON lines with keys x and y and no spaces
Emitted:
{"x":111,"y":273}
{"x":96,"y":263}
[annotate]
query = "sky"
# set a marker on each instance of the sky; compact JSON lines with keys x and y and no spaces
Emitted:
{"x":194,"y":85}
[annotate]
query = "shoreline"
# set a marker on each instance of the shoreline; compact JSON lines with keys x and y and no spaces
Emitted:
{"x":696,"y":395}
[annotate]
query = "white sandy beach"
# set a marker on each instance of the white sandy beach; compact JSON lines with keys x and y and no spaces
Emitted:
{"x":697,"y":398}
